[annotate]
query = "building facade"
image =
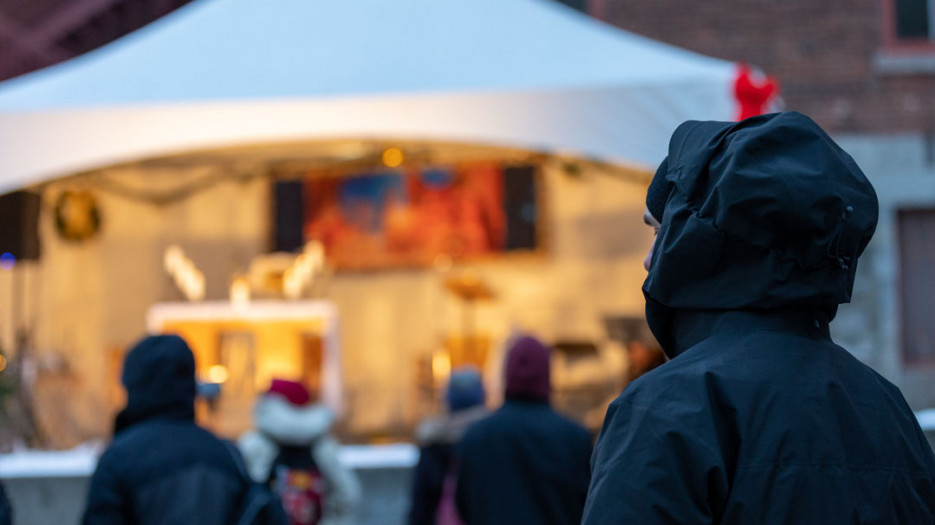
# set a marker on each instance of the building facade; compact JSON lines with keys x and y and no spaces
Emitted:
{"x":865,"y":71}
{"x":38,"y":33}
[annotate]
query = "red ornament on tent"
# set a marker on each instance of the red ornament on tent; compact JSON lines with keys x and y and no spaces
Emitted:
{"x":753,"y":96}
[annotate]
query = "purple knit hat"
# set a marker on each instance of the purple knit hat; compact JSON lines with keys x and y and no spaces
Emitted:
{"x":527,"y":370}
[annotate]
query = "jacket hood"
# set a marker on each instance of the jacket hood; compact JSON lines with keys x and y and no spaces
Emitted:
{"x":159,"y":376}
{"x":766,"y":213}
{"x":289,"y":424}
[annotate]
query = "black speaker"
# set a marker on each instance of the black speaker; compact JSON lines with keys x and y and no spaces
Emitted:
{"x":19,"y":225}
{"x":519,"y":201}
{"x":289,"y":220}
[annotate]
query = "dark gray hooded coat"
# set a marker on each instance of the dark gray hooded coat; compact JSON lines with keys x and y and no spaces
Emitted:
{"x":759,"y":417}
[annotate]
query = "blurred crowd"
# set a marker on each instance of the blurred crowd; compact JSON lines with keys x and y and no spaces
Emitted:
{"x":522,"y":462}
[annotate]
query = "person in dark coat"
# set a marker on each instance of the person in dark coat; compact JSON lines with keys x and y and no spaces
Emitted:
{"x":524,"y":463}
{"x":759,"y":417}
{"x":6,"y":508}
{"x":161,"y":467}
{"x":433,"y":480}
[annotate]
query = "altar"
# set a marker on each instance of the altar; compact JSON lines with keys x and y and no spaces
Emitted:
{"x":240,"y":348}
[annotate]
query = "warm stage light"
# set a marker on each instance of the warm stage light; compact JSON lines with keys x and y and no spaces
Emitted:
{"x":240,"y":293}
{"x":393,"y":157}
{"x":441,"y":366}
{"x":217,"y":374}
{"x":183,"y":271}
{"x":173,"y":258}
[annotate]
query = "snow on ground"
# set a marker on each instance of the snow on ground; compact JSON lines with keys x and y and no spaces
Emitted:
{"x":927,"y":419}
{"x":75,"y":463}
{"x":80,"y":461}
{"x":398,"y":455}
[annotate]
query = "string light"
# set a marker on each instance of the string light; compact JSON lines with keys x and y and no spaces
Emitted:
{"x":291,"y":284}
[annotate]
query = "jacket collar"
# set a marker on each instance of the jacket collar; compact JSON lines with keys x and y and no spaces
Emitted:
{"x":691,"y":327}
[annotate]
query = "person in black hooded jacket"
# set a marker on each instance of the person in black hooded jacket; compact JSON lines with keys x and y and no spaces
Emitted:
{"x":759,"y":417}
{"x":161,"y":467}
{"x":524,"y":464}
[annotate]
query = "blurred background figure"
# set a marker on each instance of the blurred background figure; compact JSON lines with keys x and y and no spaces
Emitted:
{"x":6,"y":509}
{"x":161,"y":467}
{"x":642,"y":358}
{"x":524,"y":463}
{"x":433,"y":481}
{"x":293,"y":451}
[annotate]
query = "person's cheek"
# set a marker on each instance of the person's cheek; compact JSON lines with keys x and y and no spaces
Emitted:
{"x":649,"y":256}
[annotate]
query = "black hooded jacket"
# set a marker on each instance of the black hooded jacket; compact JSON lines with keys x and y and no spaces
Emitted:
{"x":524,"y":464}
{"x":161,"y":467}
{"x":759,"y":417}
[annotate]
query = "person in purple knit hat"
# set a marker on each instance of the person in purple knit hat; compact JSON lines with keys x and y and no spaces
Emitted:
{"x":524,"y":463}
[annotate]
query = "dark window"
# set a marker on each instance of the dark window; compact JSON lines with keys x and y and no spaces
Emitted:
{"x":917,"y":253}
{"x":913,"y":19}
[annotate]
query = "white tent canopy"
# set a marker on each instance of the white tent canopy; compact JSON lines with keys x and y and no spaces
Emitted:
{"x":519,"y":73}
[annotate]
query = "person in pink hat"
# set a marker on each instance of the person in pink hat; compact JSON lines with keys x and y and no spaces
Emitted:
{"x":293,"y":451}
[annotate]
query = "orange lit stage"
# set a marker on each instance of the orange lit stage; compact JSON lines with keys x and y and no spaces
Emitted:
{"x":242,"y":347}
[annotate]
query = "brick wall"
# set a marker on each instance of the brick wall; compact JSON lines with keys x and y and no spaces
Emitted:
{"x":823,"y":53}
{"x":38,"y":33}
